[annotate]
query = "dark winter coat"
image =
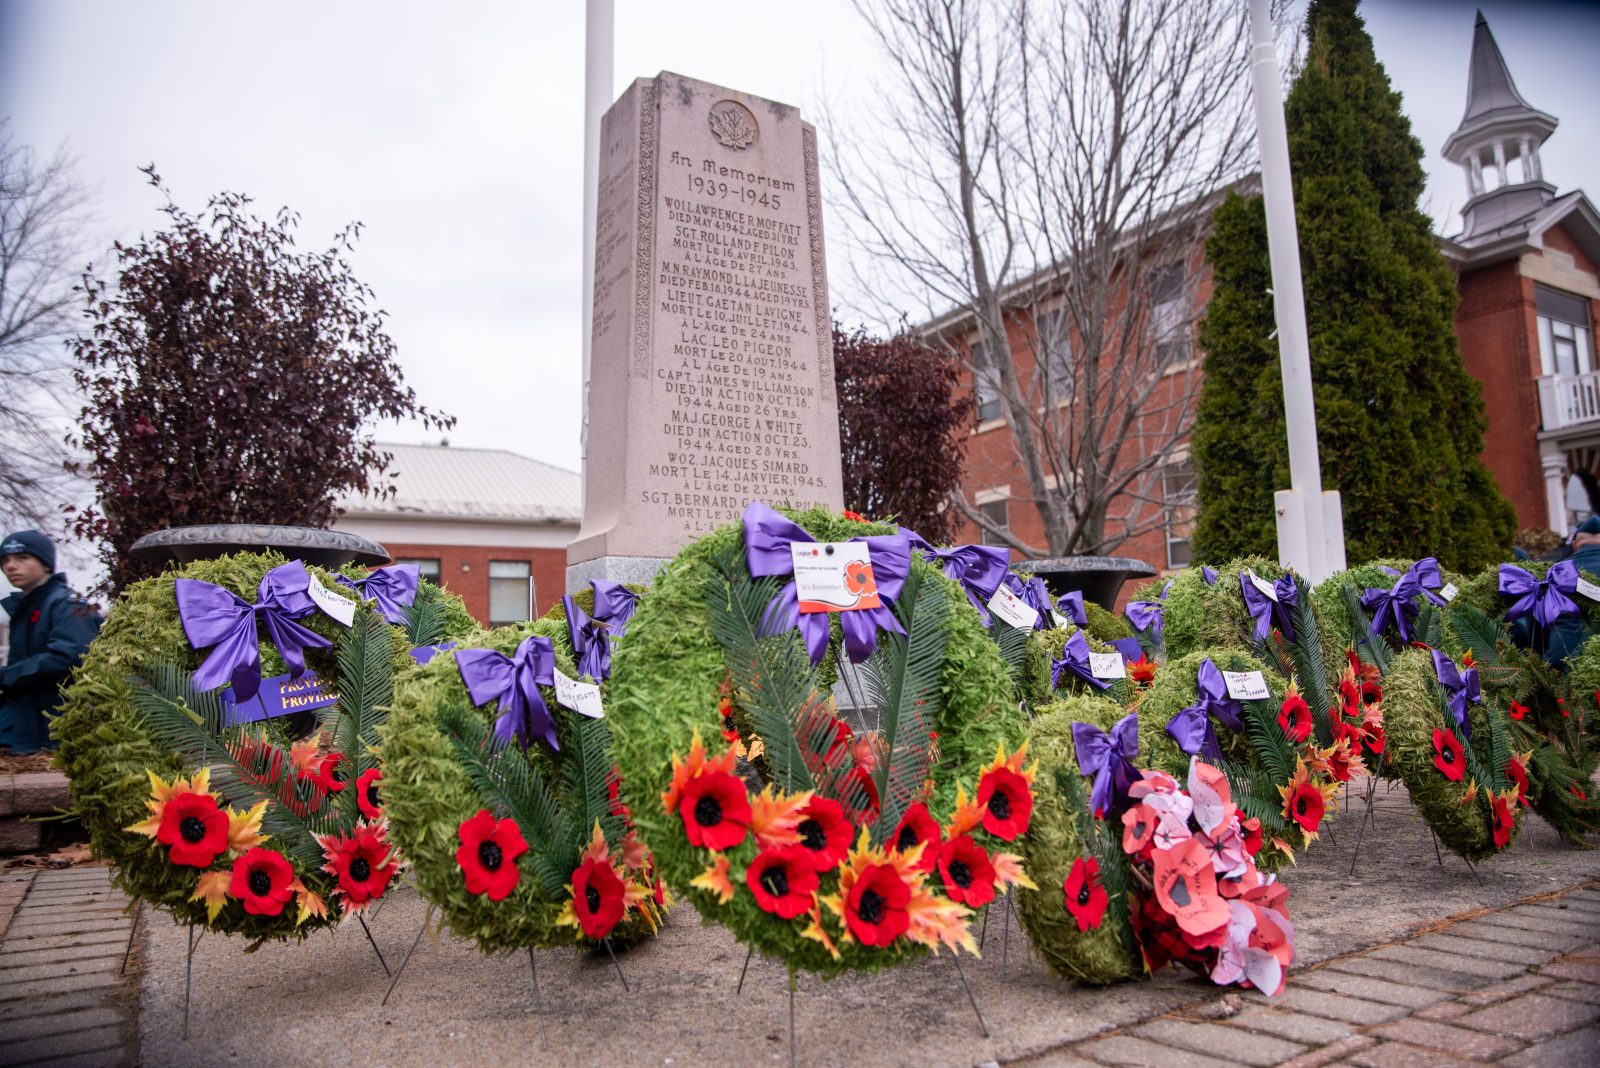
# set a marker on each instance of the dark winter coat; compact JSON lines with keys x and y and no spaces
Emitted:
{"x":50,"y":628}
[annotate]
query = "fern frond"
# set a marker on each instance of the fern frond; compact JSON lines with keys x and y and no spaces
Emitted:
{"x":1309,"y":666}
{"x":426,"y":618}
{"x":366,"y":688}
{"x":1374,"y":651}
{"x":585,"y":782}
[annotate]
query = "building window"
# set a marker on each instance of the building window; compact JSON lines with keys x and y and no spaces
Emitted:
{"x":1169,"y":314}
{"x":1178,"y":500}
{"x":1566,"y":346}
{"x":426,"y":568}
{"x":1055,"y":351}
{"x":510,"y":592}
{"x":998,"y":513}
{"x":985,"y":381}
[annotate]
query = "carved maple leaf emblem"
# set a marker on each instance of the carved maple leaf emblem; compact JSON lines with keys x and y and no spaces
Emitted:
{"x":732,"y":126}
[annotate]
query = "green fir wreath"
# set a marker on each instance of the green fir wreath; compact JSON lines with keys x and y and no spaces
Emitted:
{"x":1483,"y":591}
{"x":136,"y":735}
{"x":555,"y":821}
{"x":1065,"y":831}
{"x":1044,"y":648}
{"x":1182,"y":609}
{"x":945,"y":706}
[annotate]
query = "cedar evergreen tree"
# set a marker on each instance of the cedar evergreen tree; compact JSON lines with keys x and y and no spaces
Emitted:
{"x":229,"y":378}
{"x":1399,"y":421}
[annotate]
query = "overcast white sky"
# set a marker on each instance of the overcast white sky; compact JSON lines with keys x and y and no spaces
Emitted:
{"x":454,"y":133}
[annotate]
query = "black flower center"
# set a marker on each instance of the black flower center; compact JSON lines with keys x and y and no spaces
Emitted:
{"x":1139,"y":827}
{"x":907,"y":838}
{"x":1083,"y":893}
{"x":727,"y":722}
{"x":372,"y":795}
{"x":360,"y":870}
{"x":260,"y":883}
{"x":1300,"y":806}
{"x":591,"y":897}
{"x":870,"y":907}
{"x":776,"y":881}
{"x":707,"y":811}
{"x":1000,"y":805}
{"x":192,"y":829}
{"x":961,"y":873}
{"x":490,"y":856}
{"x":1180,"y":893}
{"x":1449,"y":755}
{"x":812,"y":836}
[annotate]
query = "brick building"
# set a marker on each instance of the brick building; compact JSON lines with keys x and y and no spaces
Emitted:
{"x":1526,"y":260}
{"x":489,"y":525}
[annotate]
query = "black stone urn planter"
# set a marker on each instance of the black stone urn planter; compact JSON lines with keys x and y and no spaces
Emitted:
{"x":1099,"y":577}
{"x":311,"y":545}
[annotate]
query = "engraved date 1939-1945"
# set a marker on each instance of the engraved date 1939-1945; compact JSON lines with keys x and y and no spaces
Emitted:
{"x":710,"y":187}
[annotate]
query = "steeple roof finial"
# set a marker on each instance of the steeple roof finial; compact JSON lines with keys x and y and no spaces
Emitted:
{"x":1495,"y":110}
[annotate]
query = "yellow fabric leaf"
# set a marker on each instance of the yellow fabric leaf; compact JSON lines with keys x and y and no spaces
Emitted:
{"x":213,"y":890}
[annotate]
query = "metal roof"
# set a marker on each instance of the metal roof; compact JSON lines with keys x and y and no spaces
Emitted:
{"x":444,"y":481}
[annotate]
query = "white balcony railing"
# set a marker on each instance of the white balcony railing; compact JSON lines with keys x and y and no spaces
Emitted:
{"x":1569,"y":400}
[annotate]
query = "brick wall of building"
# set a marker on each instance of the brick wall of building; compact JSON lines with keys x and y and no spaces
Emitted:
{"x":464,"y":571}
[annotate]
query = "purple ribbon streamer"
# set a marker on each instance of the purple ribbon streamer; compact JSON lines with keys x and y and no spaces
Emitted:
{"x":514,"y":681}
{"x":1192,"y":728}
{"x":614,"y":605}
{"x":767,"y":537}
{"x":1165,"y":589}
{"x":213,"y":616}
{"x":1033,"y":593}
{"x":1208,"y":574}
{"x":1071,"y":605}
{"x":979,"y":568}
{"x":1264,"y":610}
{"x":1111,"y":760}
{"x":1145,"y":616}
{"x":1075,"y":658}
{"x":1547,"y":599}
{"x":1130,"y":648}
{"x":1459,"y":688}
{"x":393,"y":587}
{"x":1397,"y":605}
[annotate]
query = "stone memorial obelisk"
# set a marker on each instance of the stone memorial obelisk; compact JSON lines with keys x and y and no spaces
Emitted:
{"x":711,"y":380}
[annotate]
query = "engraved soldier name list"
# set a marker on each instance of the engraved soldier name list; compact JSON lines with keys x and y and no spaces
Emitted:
{"x":712,"y":366}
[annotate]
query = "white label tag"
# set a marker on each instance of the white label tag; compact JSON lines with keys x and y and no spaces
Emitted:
{"x":1266,"y":588}
{"x":582,"y":697}
{"x":1013,"y":609}
{"x":1246,"y":685}
{"x":1058,"y":621}
{"x":1448,"y":592}
{"x":332,"y":605}
{"x":1589,"y":589}
{"x":834,"y":576}
{"x":1107,"y":666}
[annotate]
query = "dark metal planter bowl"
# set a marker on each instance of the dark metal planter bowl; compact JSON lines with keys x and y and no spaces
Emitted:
{"x":311,"y":545}
{"x":1099,"y":577}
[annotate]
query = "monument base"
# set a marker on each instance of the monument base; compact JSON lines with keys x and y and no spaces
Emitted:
{"x":629,"y":570}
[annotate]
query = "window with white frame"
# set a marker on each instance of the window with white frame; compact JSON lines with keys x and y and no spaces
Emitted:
{"x":1179,"y":494}
{"x":1566,"y":344}
{"x":998,"y":513}
{"x":1054,"y":331}
{"x":986,"y":383}
{"x":510,"y":592}
{"x":427,"y":567}
{"x":1169,"y":313}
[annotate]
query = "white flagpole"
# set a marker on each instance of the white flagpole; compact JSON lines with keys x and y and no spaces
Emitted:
{"x":598,"y":35}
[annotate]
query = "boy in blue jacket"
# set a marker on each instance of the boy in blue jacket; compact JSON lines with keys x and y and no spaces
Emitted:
{"x":50,"y":628}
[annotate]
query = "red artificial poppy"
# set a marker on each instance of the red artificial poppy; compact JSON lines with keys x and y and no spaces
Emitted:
{"x":1007,"y":803}
{"x":917,"y":825}
{"x":597,"y":897}
{"x":1518,"y":710}
{"x":1505,"y":818}
{"x":967,"y":870}
{"x":783,"y":880}
{"x":1252,"y":835}
{"x":875,"y":909}
{"x":1350,"y":694}
{"x":1447,"y":756}
{"x":1138,"y":828}
{"x":488,"y":854}
{"x":614,"y":794}
{"x":262,"y":879}
{"x":362,"y":862}
{"x":194,"y":828}
{"x":367,"y":798}
{"x":1142,"y":671}
{"x":1561,"y":703}
{"x":1295,"y":718}
{"x":326,"y":773}
{"x":824,"y":832}
{"x":848,"y":514}
{"x":1085,"y":897}
{"x":1305,"y":805}
{"x":730,"y":730}
{"x":716,"y":810}
{"x":1519,"y":775}
{"x":1374,"y":740}
{"x":1575,"y":791}
{"x":1339,"y":758}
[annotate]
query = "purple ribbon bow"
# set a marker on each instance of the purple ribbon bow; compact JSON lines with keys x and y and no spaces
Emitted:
{"x":1547,"y":599}
{"x":1398,"y":605}
{"x":1264,"y":610}
{"x":979,"y":568}
{"x":393,"y":587}
{"x":1075,"y":658}
{"x":1110,"y":759}
{"x":514,"y":681}
{"x":767,"y":537}
{"x":1208,"y":574}
{"x":1071,"y":605}
{"x":213,"y":616}
{"x":1033,"y":593}
{"x":1459,"y":687}
{"x":591,"y":636}
{"x":1192,"y":728}
{"x":1145,"y":616}
{"x":1130,"y":648}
